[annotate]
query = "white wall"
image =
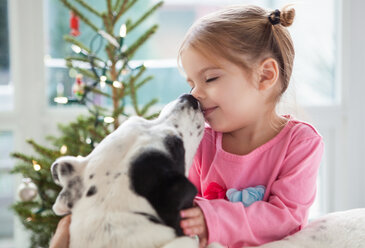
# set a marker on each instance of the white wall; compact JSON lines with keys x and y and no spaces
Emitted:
{"x":351,"y":174}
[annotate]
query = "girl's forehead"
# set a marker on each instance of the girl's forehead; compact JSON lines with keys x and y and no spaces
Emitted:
{"x":200,"y":61}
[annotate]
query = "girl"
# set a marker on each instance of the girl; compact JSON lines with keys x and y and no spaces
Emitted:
{"x":255,"y":170}
{"x":238,"y":62}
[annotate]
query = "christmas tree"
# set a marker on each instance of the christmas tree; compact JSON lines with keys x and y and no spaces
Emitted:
{"x":104,"y":72}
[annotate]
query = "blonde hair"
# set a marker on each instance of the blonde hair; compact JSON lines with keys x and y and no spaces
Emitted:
{"x":244,"y":35}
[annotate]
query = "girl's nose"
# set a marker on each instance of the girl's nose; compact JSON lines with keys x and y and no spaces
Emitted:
{"x":198,"y":93}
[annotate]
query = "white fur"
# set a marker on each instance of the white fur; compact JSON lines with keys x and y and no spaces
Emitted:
{"x":336,"y":230}
{"x":107,"y":218}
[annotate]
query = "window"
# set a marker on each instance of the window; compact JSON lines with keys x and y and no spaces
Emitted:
{"x":5,"y":87}
{"x":6,"y":188}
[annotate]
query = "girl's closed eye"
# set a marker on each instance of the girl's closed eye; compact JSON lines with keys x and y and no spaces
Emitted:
{"x":211,"y":79}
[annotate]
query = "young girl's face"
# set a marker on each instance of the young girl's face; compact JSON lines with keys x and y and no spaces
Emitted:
{"x":229,"y":98}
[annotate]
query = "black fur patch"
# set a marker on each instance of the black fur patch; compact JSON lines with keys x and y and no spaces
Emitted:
{"x":188,"y":97}
{"x":72,"y":192}
{"x":66,"y":169}
{"x":92,"y":191}
{"x":55,"y":173}
{"x":175,"y":147}
{"x":161,"y":180}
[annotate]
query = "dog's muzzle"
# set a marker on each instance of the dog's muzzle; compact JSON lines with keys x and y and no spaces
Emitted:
{"x":191,"y":100}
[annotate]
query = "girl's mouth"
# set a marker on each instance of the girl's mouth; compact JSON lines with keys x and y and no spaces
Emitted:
{"x":208,"y":111}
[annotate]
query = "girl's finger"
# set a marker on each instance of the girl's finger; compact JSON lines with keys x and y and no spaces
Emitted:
{"x":203,"y":242}
{"x":194,"y":230}
{"x":191,"y":222}
{"x":191,"y":212}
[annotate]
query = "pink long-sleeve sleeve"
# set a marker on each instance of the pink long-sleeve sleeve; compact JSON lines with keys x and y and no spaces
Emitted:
{"x":287,"y":166}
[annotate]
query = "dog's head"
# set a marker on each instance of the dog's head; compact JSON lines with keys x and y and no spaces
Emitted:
{"x":142,"y":161}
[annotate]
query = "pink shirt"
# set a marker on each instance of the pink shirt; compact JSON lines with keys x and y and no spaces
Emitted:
{"x":287,"y":166}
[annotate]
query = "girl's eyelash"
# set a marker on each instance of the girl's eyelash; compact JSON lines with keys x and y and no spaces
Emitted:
{"x":211,"y":79}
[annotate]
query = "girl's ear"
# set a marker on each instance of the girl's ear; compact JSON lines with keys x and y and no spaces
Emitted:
{"x":269,"y":73}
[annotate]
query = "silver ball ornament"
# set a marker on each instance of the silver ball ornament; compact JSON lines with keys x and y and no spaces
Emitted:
{"x":27,"y":190}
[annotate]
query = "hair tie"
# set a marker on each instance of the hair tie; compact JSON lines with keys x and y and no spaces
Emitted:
{"x":274,"y":17}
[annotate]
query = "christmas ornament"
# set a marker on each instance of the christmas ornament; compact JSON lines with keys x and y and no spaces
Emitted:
{"x":79,"y":86}
{"x":27,"y":190}
{"x":74,"y":24}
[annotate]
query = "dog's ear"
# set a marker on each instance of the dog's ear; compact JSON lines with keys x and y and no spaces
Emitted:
{"x":154,"y":175}
{"x":67,"y":173}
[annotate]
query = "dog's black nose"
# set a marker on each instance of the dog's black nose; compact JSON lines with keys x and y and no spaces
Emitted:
{"x":193,"y":102}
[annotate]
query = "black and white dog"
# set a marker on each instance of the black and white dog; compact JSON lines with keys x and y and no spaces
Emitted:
{"x":129,"y":190}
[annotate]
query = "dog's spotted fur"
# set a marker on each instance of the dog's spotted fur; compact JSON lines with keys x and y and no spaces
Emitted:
{"x":128,"y":192}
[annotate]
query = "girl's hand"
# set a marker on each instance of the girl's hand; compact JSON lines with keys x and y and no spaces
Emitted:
{"x":193,"y":223}
{"x":62,"y":236}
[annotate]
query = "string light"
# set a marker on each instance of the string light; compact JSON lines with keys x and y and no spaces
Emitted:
{"x":108,"y":119}
{"x":123,"y":31}
{"x":78,"y":50}
{"x":102,"y":84}
{"x":36,"y":166}
{"x":88,"y":140}
{"x":103,"y":78}
{"x":61,"y":99}
{"x":75,"y":48}
{"x":63,"y":149}
{"x":117,"y":84}
{"x":122,"y":34}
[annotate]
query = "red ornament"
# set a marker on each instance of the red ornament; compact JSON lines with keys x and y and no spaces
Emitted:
{"x":215,"y":191}
{"x":74,"y":24}
{"x":79,"y":87}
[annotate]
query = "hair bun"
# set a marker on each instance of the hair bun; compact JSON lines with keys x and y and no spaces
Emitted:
{"x":287,"y":15}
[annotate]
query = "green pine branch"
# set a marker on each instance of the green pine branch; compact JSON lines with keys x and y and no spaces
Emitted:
{"x":140,"y":41}
{"x":74,"y":41}
{"x":49,"y":153}
{"x":88,"y":7}
{"x":124,"y":8}
{"x":148,"y":105}
{"x":130,"y":26}
{"x":144,"y":81}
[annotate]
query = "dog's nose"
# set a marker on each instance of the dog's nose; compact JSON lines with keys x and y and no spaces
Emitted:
{"x":189,"y":98}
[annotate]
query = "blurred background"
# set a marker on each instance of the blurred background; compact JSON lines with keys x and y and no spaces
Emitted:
{"x":327,"y":86}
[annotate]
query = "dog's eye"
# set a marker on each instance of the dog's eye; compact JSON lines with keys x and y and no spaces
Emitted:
{"x":211,"y":79}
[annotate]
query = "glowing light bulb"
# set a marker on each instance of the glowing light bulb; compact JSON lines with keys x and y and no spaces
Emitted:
{"x":75,"y":48}
{"x":108,"y":119}
{"x":103,"y":78}
{"x":63,"y":149}
{"x":61,"y":99}
{"x":117,"y":84}
{"x":36,"y":166}
{"x":123,"y":31}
